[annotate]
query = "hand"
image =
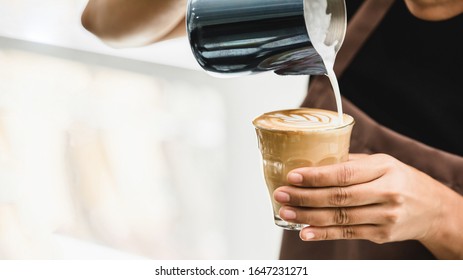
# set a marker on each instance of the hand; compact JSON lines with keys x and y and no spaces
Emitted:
{"x":375,"y":197}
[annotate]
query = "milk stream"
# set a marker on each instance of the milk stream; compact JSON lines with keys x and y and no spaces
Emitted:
{"x":317,"y":24}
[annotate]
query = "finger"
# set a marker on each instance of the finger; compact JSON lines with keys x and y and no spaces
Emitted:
{"x":357,"y":156}
{"x":342,"y":174}
{"x":322,"y":217}
{"x":356,"y":195}
{"x":338,"y":232}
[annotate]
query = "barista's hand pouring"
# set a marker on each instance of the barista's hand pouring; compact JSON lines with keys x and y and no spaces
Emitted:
{"x":377,"y":198}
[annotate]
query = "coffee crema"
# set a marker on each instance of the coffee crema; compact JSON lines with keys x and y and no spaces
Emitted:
{"x":302,"y":119}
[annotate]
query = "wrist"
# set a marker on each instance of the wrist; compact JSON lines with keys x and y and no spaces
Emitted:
{"x":443,"y":237}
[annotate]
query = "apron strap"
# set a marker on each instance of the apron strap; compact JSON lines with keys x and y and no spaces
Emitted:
{"x":360,"y":27}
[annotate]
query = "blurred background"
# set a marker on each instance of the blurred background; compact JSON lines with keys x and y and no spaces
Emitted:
{"x":126,"y":153}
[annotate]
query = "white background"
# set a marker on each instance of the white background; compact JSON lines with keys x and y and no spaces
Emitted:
{"x":42,"y":36}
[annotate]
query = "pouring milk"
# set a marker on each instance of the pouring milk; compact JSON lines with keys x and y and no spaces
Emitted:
{"x":317,"y":23}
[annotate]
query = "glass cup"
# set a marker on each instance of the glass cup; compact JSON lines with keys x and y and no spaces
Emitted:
{"x":304,"y":137}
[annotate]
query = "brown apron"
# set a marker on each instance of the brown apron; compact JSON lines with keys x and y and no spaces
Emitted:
{"x":370,"y":137}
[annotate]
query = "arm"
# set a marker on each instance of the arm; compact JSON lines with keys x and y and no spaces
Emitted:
{"x":435,"y":10}
{"x":127,"y":23}
{"x":377,"y":198}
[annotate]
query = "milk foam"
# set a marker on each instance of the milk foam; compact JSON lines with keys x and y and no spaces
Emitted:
{"x":317,"y":24}
{"x":302,"y":119}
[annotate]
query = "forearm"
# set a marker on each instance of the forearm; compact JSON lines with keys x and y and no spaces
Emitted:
{"x":446,"y":239}
{"x":435,"y":10}
{"x":123,"y":23}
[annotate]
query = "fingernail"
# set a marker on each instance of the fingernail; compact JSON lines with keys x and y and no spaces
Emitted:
{"x":288,"y":214}
{"x":295,"y":178}
{"x":282,"y":197}
{"x":309,"y":235}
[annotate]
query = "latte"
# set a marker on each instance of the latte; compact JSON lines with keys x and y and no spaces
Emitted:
{"x":296,"y":138}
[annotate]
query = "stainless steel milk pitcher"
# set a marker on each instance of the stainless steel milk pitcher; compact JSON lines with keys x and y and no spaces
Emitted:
{"x":239,"y":37}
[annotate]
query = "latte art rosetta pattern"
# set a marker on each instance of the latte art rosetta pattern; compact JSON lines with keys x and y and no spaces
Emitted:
{"x":299,"y":119}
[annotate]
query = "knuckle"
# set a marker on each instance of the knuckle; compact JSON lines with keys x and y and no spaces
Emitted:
{"x":394,"y":197}
{"x":383,"y":236}
{"x":384,"y":157}
{"x":314,"y":177}
{"x":301,"y":199}
{"x":325,"y":235}
{"x":341,"y":216}
{"x":347,"y":232}
{"x":390,"y":163}
{"x":391,"y":217}
{"x":339,"y":197}
{"x":345,"y":175}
